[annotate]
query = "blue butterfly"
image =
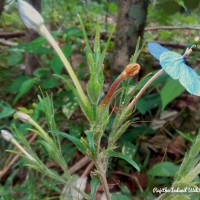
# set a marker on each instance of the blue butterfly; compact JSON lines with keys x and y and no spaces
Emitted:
{"x":173,"y":64}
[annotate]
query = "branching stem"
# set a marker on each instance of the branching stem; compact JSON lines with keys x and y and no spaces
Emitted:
{"x":103,"y":180}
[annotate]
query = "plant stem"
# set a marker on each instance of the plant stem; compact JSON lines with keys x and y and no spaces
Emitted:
{"x":66,"y":182}
{"x":103,"y":180}
{"x":40,"y":129}
{"x":22,"y":149}
{"x":192,"y":174}
{"x":44,"y":32}
{"x":140,"y":93}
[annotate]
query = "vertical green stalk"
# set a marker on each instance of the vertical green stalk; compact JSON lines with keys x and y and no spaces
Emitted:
{"x":191,"y":175}
{"x":44,"y":32}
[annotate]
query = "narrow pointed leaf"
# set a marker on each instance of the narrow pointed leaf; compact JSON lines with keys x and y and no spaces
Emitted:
{"x":94,"y":185}
{"x":100,"y":62}
{"x":124,"y":157}
{"x":88,"y":49}
{"x":97,"y":44}
{"x":26,"y":86}
{"x":90,"y":138}
{"x":75,"y":140}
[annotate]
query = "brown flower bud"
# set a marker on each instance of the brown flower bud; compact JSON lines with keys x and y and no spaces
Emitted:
{"x":131,"y":70}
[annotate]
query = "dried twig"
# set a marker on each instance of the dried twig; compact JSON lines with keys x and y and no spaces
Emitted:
{"x":12,"y":35}
{"x":132,"y":177}
{"x":88,"y":169}
{"x":81,"y":163}
{"x":7,"y":43}
{"x":157,"y":28}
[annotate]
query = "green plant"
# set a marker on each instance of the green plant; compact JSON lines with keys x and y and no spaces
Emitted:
{"x":186,"y":177}
{"x":95,"y":110}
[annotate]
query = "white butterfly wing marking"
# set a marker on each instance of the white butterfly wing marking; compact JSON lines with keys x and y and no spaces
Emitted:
{"x":174,"y":65}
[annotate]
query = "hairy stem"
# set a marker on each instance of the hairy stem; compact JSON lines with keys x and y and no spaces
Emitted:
{"x":103,"y":180}
{"x":192,"y":174}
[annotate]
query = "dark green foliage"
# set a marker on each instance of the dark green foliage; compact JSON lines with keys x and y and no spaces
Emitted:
{"x":56,"y":63}
{"x":125,"y":157}
{"x":132,"y":130}
{"x":164,"y":169}
{"x":94,"y":184}
{"x":170,"y":91}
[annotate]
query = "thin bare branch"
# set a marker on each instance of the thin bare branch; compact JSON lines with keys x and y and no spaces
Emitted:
{"x":12,"y":35}
{"x":157,"y":28}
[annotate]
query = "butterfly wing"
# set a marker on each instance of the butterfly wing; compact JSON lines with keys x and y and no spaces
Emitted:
{"x":174,"y":65}
{"x":170,"y":62}
{"x":156,"y":49}
{"x":190,"y":79}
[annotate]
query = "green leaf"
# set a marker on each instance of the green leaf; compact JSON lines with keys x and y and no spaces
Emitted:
{"x":5,"y":110}
{"x":14,"y":58}
{"x":133,"y":133}
{"x":112,"y":7}
{"x":36,"y":46}
{"x":88,"y":49}
{"x":90,"y":137}
{"x":47,"y":146}
{"x":49,"y":83}
{"x":100,"y":62}
{"x":125,"y":157}
{"x":91,"y":63}
{"x":93,"y":89}
{"x":170,"y":91}
{"x":26,"y":86}
{"x":64,"y":78}
{"x":97,"y":43}
{"x":179,"y":197}
{"x":186,"y":136}
{"x":72,"y":31}
{"x":87,"y":110}
{"x":17,"y":83}
{"x":164,"y":169}
{"x":191,"y":5}
{"x":42,"y":72}
{"x":69,"y":108}
{"x":169,"y":6}
{"x":148,"y":102}
{"x":94,"y":185}
{"x":47,"y":106}
{"x":119,"y":196}
{"x":75,"y":130}
{"x":56,"y":63}
{"x":76,"y":141}
{"x":118,"y":131}
{"x":137,"y":52}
